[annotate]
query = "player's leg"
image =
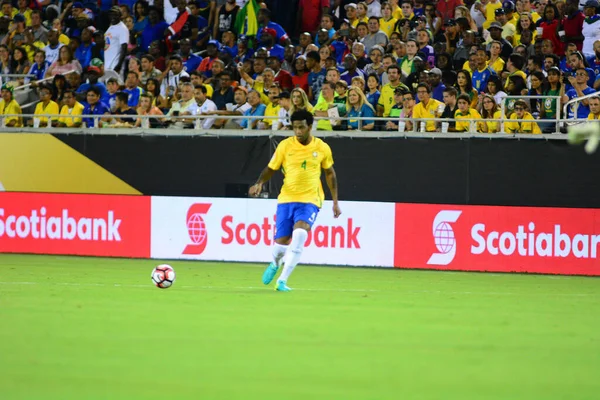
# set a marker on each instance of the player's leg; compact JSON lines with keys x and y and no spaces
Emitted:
{"x":304,"y":217}
{"x":283,"y":231}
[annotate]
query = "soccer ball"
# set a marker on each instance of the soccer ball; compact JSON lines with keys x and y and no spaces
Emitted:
{"x":163,"y":276}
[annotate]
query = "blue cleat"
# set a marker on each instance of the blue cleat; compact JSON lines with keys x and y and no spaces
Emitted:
{"x":282,"y":287}
{"x":269,"y":273}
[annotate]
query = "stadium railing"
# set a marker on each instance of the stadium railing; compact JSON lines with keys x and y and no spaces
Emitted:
{"x":194,"y":127}
{"x":575,"y":102}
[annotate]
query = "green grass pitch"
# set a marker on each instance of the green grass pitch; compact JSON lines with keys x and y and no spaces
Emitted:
{"x":96,"y":328}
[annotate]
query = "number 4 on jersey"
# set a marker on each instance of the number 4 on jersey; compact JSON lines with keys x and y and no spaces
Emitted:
{"x":303,"y":165}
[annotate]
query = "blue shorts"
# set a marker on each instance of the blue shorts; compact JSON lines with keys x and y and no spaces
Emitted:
{"x":290,"y":213}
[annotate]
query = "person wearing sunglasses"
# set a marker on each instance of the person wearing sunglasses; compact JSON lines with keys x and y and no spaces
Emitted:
{"x":521,"y":120}
{"x":580,"y":88}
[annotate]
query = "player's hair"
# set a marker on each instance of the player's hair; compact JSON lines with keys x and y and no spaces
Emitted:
{"x":132,"y":72}
{"x":333,"y":69}
{"x":122,"y":96}
{"x":148,"y":57}
{"x":202,"y":88}
{"x":302,"y":115}
{"x":375,"y":18}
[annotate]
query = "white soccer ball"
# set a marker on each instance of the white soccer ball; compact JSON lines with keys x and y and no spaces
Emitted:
{"x":163,"y":276}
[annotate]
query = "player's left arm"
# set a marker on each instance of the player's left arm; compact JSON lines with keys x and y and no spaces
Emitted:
{"x":332,"y":183}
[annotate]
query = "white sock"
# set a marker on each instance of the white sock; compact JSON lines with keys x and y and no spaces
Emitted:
{"x":278,"y":253}
{"x":293,"y":253}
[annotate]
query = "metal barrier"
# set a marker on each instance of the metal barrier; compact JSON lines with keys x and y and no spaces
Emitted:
{"x":194,"y":127}
{"x":576,"y":101}
{"x":25,"y":86}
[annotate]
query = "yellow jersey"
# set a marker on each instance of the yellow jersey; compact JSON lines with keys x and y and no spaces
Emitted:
{"x":467,"y":67}
{"x":51,"y":108}
{"x":387,"y":27}
{"x":397,"y":14}
{"x":429,"y":111}
{"x":522,"y":127}
{"x":490,"y":13}
{"x":70,"y":114}
{"x":494,"y":126}
{"x":519,"y":73}
{"x":594,"y":117}
{"x":465,"y":124}
{"x":301,"y":167}
{"x":64,"y":39}
{"x":11,"y":108}
{"x":386,"y":98}
{"x":497,"y":65}
{"x":271,"y":111}
{"x":209,"y":90}
{"x":323,"y":124}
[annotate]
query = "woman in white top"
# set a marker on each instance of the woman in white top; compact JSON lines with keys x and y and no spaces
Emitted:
{"x":591,"y":28}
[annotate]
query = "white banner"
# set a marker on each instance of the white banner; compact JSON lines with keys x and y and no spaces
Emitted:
{"x":242,"y":230}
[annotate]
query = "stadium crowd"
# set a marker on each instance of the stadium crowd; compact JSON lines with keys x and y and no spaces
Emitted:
{"x":466,"y":61}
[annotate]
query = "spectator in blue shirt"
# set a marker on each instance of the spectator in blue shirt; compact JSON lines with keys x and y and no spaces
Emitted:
{"x":191,"y":62}
{"x":580,"y":88}
{"x":155,"y":30}
{"x":132,"y":89}
{"x":263,"y":17}
{"x":39,"y":67}
{"x":94,"y":107}
{"x":93,"y":74}
{"x":435,"y":81}
{"x":83,"y":53}
{"x":257,"y":109}
{"x":358,"y":106}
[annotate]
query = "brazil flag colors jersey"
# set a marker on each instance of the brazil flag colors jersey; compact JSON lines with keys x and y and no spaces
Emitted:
{"x":301,"y":166}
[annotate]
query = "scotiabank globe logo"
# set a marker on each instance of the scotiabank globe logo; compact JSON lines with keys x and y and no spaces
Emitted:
{"x":196,"y":228}
{"x":444,"y":238}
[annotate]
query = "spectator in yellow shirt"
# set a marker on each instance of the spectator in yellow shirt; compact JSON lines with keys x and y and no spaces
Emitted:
{"x":427,"y":107}
{"x":272,"y":109}
{"x":70,"y":111}
{"x":521,"y":113}
{"x":8,"y":10}
{"x":491,"y":111}
{"x":25,"y":11}
{"x":465,"y":115}
{"x":594,"y":104}
{"x":46,"y":107}
{"x":387,"y":22}
{"x":322,"y":107}
{"x":9,"y":106}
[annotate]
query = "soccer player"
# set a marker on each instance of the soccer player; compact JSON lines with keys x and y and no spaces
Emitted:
{"x":301,"y":158}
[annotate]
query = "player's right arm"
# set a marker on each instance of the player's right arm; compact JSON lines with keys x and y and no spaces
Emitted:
{"x":267,"y":173}
{"x":264,"y":177}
